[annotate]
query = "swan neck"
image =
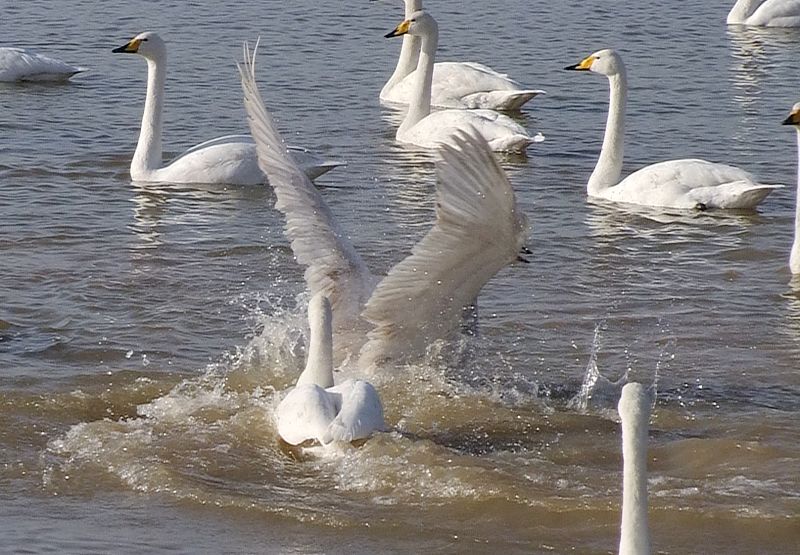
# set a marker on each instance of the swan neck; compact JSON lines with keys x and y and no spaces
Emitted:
{"x":148,"y":150}
{"x":409,"y":53}
{"x":794,"y":260}
{"x":741,"y":10}
{"x":634,"y":533}
{"x":608,"y":170}
{"x":420,"y":102}
{"x":319,"y":365}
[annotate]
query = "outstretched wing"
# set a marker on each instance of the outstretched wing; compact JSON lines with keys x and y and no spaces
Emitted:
{"x":478,"y":231}
{"x":332,"y":265}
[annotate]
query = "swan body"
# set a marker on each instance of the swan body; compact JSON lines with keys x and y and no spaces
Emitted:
{"x":769,"y":13}
{"x":634,"y":412}
{"x":478,"y":231}
{"x":423,"y":128}
{"x":231,"y":159}
{"x":794,"y":257}
{"x":455,"y":84}
{"x":683,"y":184}
{"x":19,"y":64}
{"x":316,"y":409}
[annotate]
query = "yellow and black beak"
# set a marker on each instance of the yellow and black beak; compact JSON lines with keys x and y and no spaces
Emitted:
{"x":583,"y":65}
{"x":131,"y":47}
{"x":793,"y":119}
{"x":399,"y":31}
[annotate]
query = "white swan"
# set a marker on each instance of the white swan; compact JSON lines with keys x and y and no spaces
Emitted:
{"x":231,"y":159}
{"x":478,"y":231}
{"x":794,"y":257}
{"x":455,"y":84}
{"x":685,"y":184}
{"x":19,"y":64}
{"x":634,"y":412}
{"x":317,"y":410}
{"x":769,"y":13}
{"x":423,"y":128}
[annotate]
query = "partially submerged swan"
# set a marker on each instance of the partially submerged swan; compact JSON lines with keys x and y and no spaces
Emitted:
{"x":478,"y":231}
{"x":794,"y":257}
{"x":685,"y":184}
{"x":231,"y":159}
{"x":455,"y":84}
{"x":19,"y":64}
{"x":424,"y":128}
{"x":315,"y":409}
{"x":765,"y":13}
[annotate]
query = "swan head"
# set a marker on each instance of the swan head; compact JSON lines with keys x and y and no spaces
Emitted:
{"x":605,"y":62}
{"x":319,"y":311}
{"x":419,"y":23}
{"x":794,"y":117}
{"x":148,"y":44}
{"x":635,"y":402}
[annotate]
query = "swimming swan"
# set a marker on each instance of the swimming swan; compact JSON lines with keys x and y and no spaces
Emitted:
{"x":18,"y":64}
{"x":455,"y":84}
{"x":794,"y":258}
{"x":317,"y":410}
{"x":634,"y":412}
{"x":478,"y":231}
{"x":231,"y":159}
{"x":685,"y":184}
{"x":769,"y":13}
{"x":424,"y":128}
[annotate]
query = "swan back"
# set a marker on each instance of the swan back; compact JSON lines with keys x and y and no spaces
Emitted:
{"x":765,"y":13}
{"x":634,"y":411}
{"x":319,"y":364}
{"x":18,"y":64}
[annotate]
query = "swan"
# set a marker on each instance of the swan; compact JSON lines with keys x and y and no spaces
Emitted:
{"x":231,"y":159}
{"x":19,"y":64}
{"x":794,"y":257}
{"x":478,"y":231}
{"x":423,"y":128}
{"x":769,"y":13}
{"x":634,"y":412}
{"x":455,"y":84}
{"x":315,"y":409}
{"x":684,"y":184}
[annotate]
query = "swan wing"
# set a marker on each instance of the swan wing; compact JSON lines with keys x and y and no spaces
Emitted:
{"x":305,"y":413}
{"x":478,"y":231}
{"x":776,"y":13}
{"x":18,"y":64}
{"x":360,"y":415}
{"x":333,"y":267}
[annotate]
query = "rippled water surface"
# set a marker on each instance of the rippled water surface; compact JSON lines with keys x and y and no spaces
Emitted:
{"x":145,"y":329}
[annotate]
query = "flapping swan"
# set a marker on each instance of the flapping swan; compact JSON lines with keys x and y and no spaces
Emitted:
{"x":423,"y":128}
{"x":794,"y":258}
{"x":231,"y":159}
{"x":769,"y":13}
{"x":455,"y":84}
{"x":634,"y":412}
{"x":18,"y":64}
{"x":686,"y":184}
{"x":315,"y":409}
{"x":478,"y":231}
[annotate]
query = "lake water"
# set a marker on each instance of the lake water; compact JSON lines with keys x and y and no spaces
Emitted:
{"x":144,"y":329}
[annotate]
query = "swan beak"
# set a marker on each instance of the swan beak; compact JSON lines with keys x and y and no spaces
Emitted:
{"x":398,"y":31}
{"x":583,"y":65}
{"x":131,"y":47}
{"x":793,"y":119}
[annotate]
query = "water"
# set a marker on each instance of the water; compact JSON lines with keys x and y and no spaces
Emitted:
{"x":145,"y":329}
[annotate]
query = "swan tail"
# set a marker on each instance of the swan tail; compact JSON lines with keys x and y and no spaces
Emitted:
{"x":514,"y":143}
{"x":735,"y":195}
{"x":508,"y":101}
{"x":360,"y":416}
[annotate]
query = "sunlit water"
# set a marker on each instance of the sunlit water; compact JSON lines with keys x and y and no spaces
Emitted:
{"x":145,"y":330}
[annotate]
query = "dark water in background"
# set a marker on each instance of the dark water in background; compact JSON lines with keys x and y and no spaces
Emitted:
{"x":145,"y":329}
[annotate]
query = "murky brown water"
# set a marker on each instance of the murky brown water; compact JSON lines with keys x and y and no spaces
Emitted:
{"x":145,"y":330}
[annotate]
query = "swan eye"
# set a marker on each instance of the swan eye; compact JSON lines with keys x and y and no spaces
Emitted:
{"x":145,"y":39}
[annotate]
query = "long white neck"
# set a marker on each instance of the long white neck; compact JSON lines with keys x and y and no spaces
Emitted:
{"x":794,"y":258}
{"x":608,"y":170}
{"x":741,"y":10}
{"x":420,"y":101}
{"x":634,"y":533}
{"x":148,"y":150}
{"x":319,"y":365}
{"x":409,"y":52}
